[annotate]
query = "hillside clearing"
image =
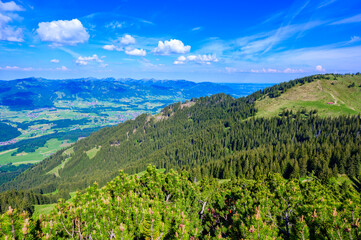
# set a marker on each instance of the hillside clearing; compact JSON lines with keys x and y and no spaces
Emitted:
{"x":328,"y":97}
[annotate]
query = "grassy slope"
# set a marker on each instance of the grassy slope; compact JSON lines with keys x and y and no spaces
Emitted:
{"x":316,"y":95}
{"x":50,"y":147}
{"x":47,"y":208}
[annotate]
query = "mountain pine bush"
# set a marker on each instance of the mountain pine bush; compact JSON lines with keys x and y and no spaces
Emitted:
{"x":170,"y":206}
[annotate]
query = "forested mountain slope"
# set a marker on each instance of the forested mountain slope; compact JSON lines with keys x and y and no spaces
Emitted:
{"x":216,"y":136}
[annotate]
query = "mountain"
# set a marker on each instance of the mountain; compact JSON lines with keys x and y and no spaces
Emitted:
{"x":40,"y":116}
{"x":217,"y":136}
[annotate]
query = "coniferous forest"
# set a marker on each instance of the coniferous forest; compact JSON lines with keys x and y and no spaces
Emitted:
{"x":228,"y":175}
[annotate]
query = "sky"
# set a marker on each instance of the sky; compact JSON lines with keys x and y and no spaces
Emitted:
{"x":257,"y":41}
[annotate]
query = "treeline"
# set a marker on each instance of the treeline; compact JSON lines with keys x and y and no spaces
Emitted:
{"x":30,"y":145}
{"x":169,"y":206}
{"x":8,"y":132}
{"x":10,"y":171}
{"x":60,"y":123}
{"x":23,"y":200}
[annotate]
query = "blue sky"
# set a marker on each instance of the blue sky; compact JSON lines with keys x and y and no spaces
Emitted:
{"x":219,"y":41}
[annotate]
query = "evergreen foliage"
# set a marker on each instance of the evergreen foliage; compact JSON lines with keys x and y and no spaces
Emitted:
{"x":169,"y":206}
{"x":8,"y":132}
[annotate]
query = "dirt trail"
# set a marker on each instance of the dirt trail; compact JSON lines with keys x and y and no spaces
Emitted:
{"x":320,"y":87}
{"x":335,"y":100}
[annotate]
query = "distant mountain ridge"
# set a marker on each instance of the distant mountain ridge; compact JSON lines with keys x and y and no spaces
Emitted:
{"x":33,"y":93}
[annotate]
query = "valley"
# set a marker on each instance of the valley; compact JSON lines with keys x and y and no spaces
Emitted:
{"x":46,"y":118}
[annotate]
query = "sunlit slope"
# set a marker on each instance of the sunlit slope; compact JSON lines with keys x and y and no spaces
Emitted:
{"x":330,"y":96}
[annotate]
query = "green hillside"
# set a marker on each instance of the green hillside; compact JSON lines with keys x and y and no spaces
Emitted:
{"x":216,"y":136}
{"x":331,"y":95}
{"x":289,"y":164}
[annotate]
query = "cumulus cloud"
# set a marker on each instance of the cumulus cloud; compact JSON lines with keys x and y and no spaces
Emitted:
{"x":83,"y":61}
{"x":55,"y":60}
{"x":136,"y":52}
{"x":112,"y":47}
{"x":127,"y":40}
{"x":10,"y":6}
{"x":319,"y":68}
{"x":63,"y":32}
{"x":201,"y":59}
{"x":170,"y":47}
{"x":119,"y":45}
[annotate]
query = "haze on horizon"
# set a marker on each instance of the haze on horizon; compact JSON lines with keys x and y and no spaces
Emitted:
{"x":232,"y":41}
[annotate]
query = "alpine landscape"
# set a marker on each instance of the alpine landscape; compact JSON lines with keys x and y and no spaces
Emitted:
{"x":180,"y":120}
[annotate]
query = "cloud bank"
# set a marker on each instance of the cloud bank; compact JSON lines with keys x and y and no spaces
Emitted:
{"x":200,"y":59}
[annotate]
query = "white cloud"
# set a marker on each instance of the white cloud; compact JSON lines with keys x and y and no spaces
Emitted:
{"x":10,"y":6}
{"x":127,"y":40}
{"x":55,"y":60}
{"x":11,"y":34}
{"x":326,"y":3}
{"x":319,"y":68}
{"x":263,"y":42}
{"x":112,"y":47}
{"x":4,"y":19}
{"x":172,"y":46}
{"x":273,"y":70}
{"x":120,"y":43}
{"x":201,"y":59}
{"x":196,"y":28}
{"x":8,"y":32}
{"x":85,"y":60}
{"x":62,"y":68}
{"x":353,"y":19}
{"x":12,"y":68}
{"x":63,"y":32}
{"x":136,"y":52}
{"x":115,"y":25}
{"x":231,"y":69}
{"x":354,"y":39}
{"x":291,"y":70}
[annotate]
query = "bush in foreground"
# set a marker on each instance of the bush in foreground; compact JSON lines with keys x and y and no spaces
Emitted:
{"x":169,"y":206}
